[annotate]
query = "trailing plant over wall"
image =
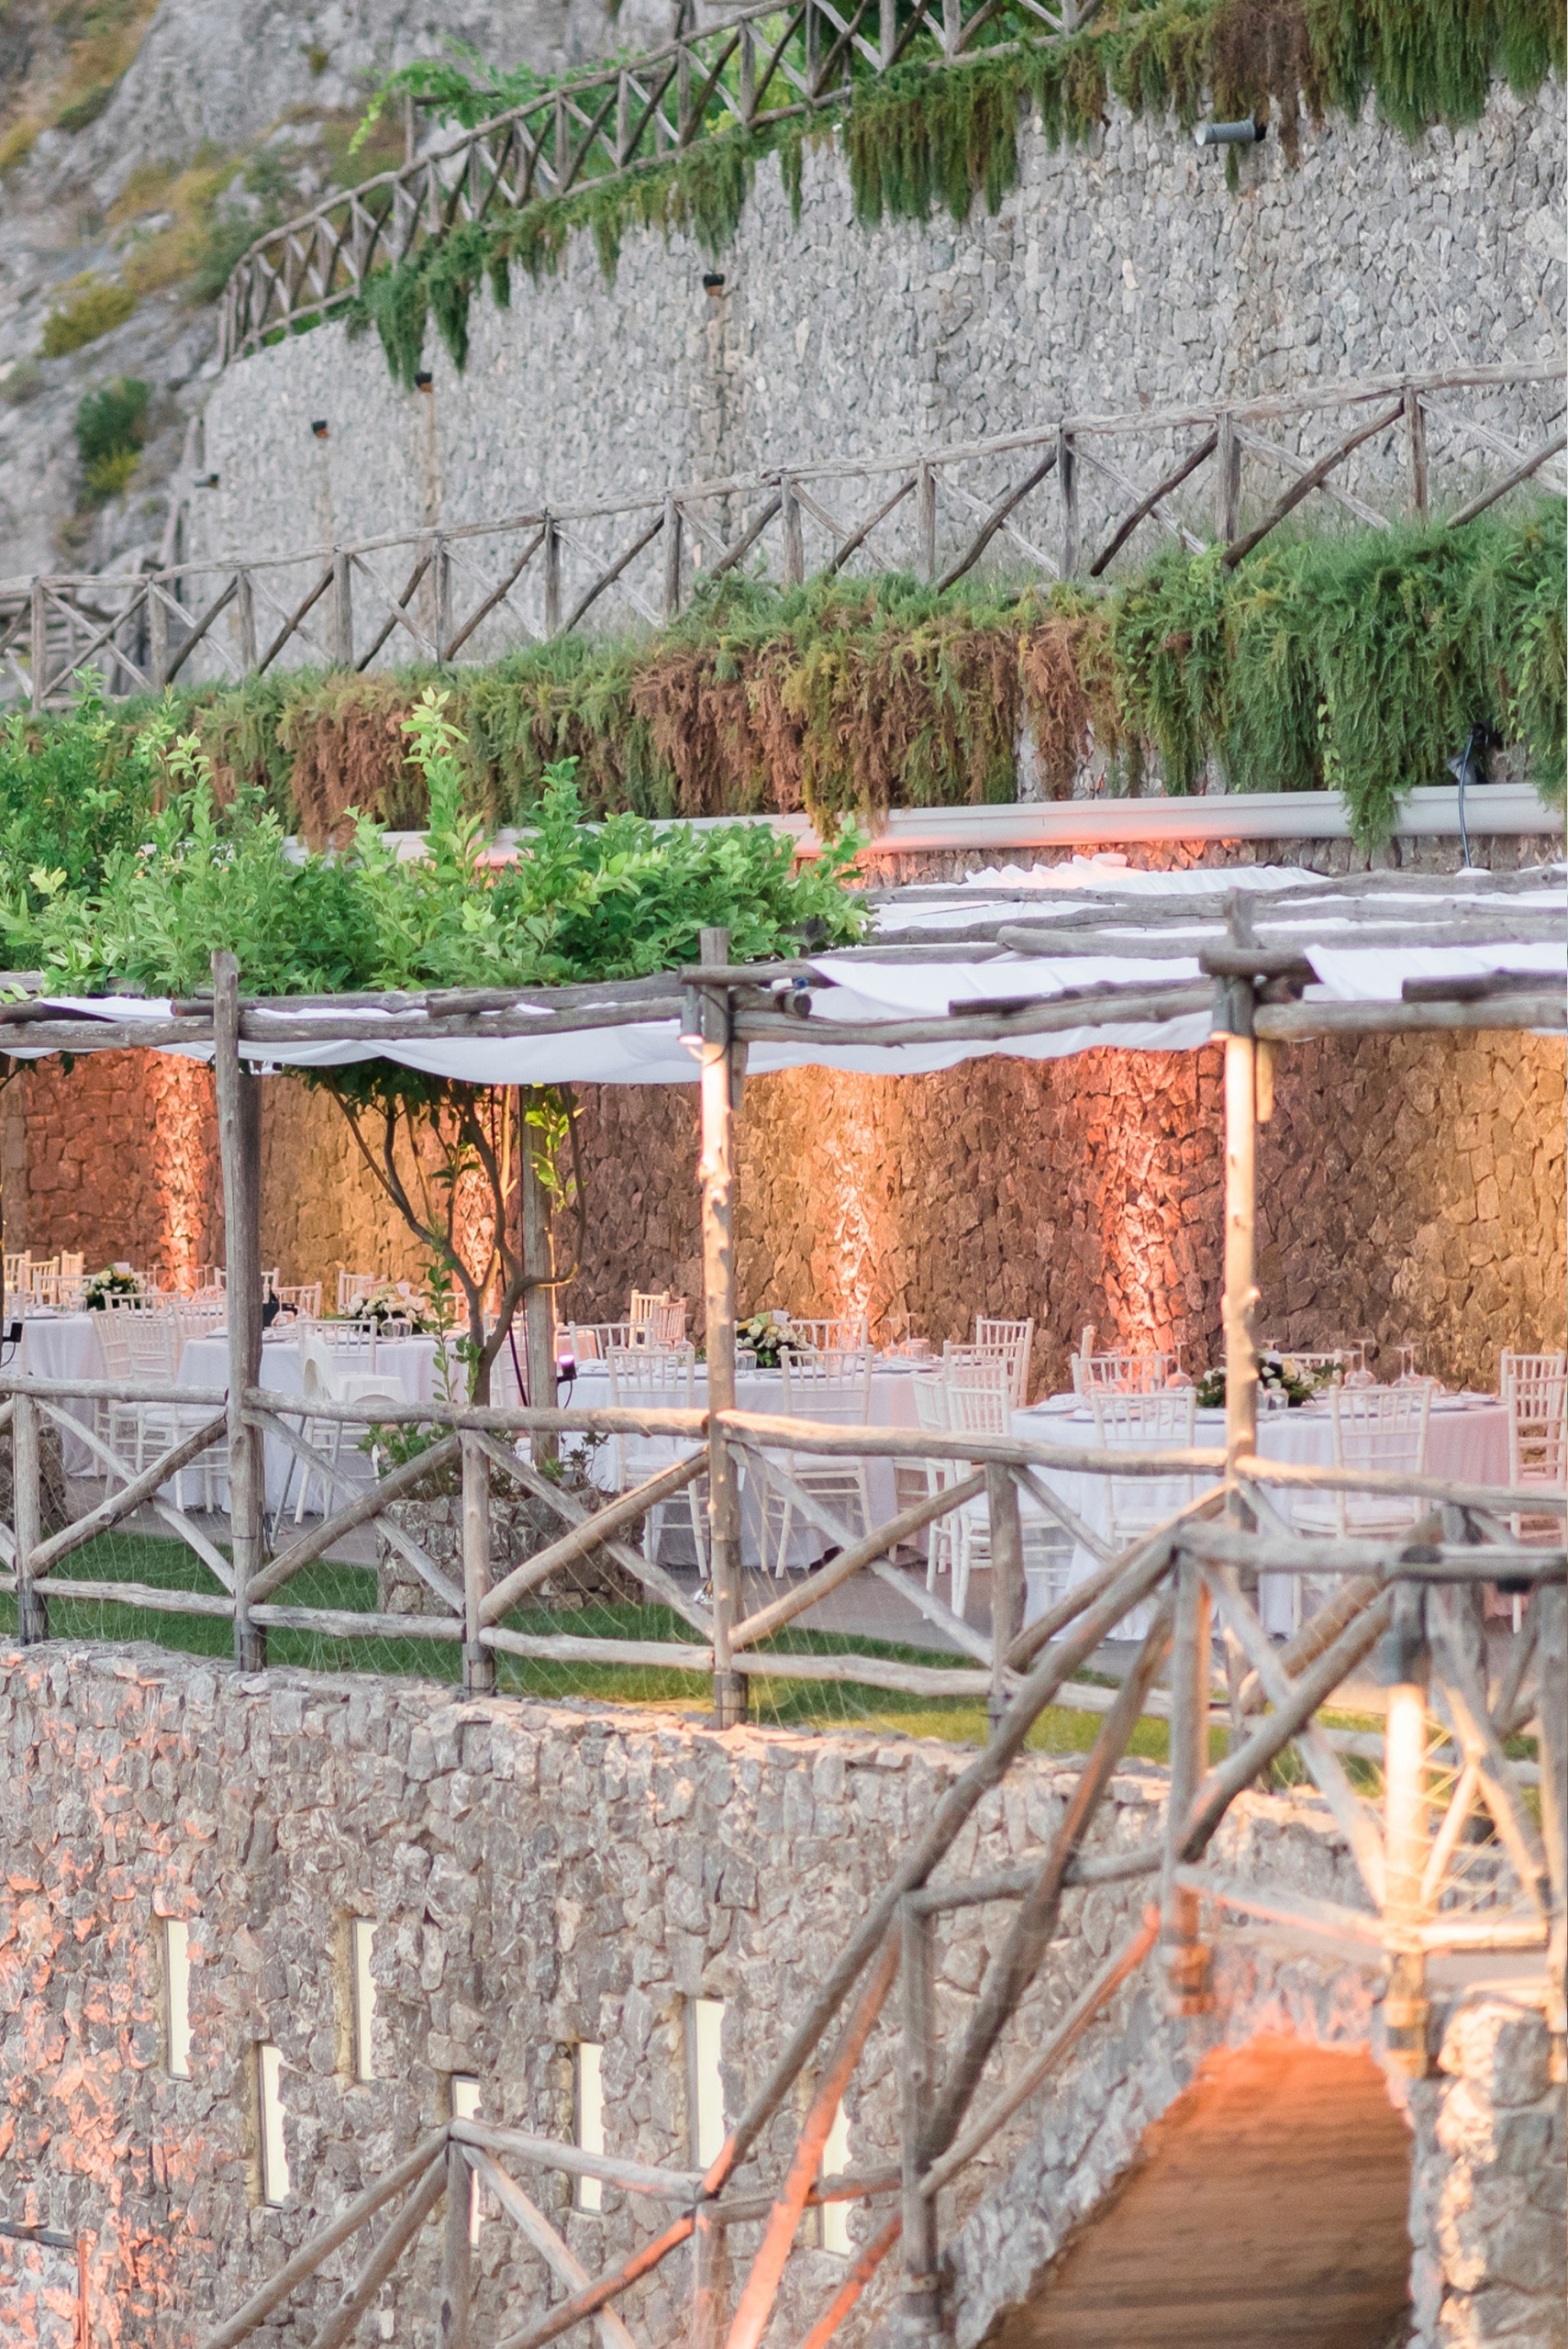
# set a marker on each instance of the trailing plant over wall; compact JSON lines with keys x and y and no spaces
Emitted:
{"x":929,"y":135}
{"x":1357,"y":660}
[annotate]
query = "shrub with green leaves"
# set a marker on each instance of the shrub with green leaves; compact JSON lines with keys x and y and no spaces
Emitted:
{"x":111,"y":425}
{"x":89,"y":307}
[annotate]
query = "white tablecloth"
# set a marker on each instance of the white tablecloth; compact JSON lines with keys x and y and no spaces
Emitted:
{"x":1466,"y":1439}
{"x":65,"y":1345}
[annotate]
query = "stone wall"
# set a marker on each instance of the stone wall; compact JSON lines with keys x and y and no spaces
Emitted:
{"x":1120,"y":277}
{"x":538,"y":1876}
{"x":1411,"y":1188}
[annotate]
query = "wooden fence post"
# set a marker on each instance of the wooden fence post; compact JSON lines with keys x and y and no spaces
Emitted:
{"x":478,"y":1661}
{"x":551,"y":578}
{"x":240,"y":1152}
{"x":887,"y":32}
{"x":926,"y":520}
{"x":672,"y":556}
{"x":245,"y":620}
{"x":794,"y":544}
{"x":1227,"y":480}
{"x":1007,"y":1581}
{"x":343,"y":611}
{"x":748,"y":93}
{"x":538,"y":1303}
{"x":710,"y":2280}
{"x":39,"y":616}
{"x":454,"y":2309}
{"x":27,"y":1508}
{"x":716,"y":1174}
{"x":1405,"y":2008}
{"x":1416,"y":428}
{"x":1186,"y":1959}
{"x":441,"y":576}
{"x":1550,"y":1607}
{"x":921,"y":2307}
{"x":157,"y":638}
{"x":1067,"y":479}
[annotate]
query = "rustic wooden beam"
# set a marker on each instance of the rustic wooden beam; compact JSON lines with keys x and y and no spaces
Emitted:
{"x":1548,"y":450}
{"x":586,"y":1538}
{"x":360,"y":1512}
{"x":1312,"y":479}
{"x":118,"y":1506}
{"x":547,"y":2152}
{"x":880,"y":1543}
{"x":357,"y":2296}
{"x":537,"y":2230}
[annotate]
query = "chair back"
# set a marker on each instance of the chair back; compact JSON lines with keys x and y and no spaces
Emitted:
{"x":931,"y":1403}
{"x":1381,"y":1427}
{"x":1535,"y":1390}
{"x":113,"y":1333}
{"x":657,"y":1378}
{"x":302,"y":1299}
{"x":1337,"y":1361}
{"x":1013,"y":1340}
{"x":1157,"y":1420}
{"x":832,"y":1387}
{"x":592,"y":1341}
{"x":350,"y":1345}
{"x":17,"y":1273}
{"x":154,"y":1341}
{"x":1140,"y":1374}
{"x":979,"y":1394}
{"x":194,"y":1320}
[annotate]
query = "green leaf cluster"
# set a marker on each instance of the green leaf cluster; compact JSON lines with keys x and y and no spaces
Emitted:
{"x":618,"y":899}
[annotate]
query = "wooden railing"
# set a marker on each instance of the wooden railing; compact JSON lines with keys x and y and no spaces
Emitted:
{"x":761,"y":66}
{"x":1062,"y":500}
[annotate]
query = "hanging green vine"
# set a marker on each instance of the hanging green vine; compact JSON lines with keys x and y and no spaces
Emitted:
{"x":929,"y":136}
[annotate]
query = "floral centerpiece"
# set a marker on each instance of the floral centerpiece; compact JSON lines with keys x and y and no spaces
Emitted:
{"x":108,"y":1283}
{"x":389,"y":1304}
{"x":1277,"y":1375}
{"x":769,"y":1337}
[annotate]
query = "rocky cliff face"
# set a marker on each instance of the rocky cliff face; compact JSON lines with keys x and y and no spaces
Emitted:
{"x":138,"y":146}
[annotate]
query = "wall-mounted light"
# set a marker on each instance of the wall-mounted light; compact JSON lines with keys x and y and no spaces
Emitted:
{"x":319,"y":426}
{"x":205,"y":481}
{"x":422,"y":380}
{"x":1229,"y":134}
{"x":713,"y":281}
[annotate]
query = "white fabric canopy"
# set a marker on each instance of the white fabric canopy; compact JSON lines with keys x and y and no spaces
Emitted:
{"x":865,"y":993}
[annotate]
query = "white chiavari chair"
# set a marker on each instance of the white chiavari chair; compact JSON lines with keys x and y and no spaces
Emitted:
{"x":302,"y":1299}
{"x":593,"y":1341}
{"x":1381,"y":1428}
{"x":657,"y":1378}
{"x":1121,"y":1373}
{"x":1535,"y":1392}
{"x":1013,"y":1341}
{"x":931,"y":1415}
{"x":979,"y":1402}
{"x":354,"y":1287}
{"x":1159,"y":1420}
{"x":834,"y":1388}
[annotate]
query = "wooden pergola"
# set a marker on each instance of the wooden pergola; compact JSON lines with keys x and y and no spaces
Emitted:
{"x":1413,"y":1598}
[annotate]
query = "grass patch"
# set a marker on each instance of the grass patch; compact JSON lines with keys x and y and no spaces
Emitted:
{"x":169,"y":1565}
{"x":86,"y":308}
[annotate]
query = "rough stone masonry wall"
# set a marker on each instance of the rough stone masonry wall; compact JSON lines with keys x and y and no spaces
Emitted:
{"x":541,"y":1875}
{"x":1116,"y":278}
{"x":1411,"y":1188}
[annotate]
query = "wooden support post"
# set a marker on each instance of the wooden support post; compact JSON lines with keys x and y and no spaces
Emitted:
{"x":813,"y":38}
{"x":551,"y":578}
{"x":710,"y":2280}
{"x":456,"y":2302}
{"x":1067,"y":478}
{"x":1186,"y":1959}
{"x":157,"y":638}
{"x":1416,"y":429}
{"x":27,"y":1502}
{"x":1240,"y":1295}
{"x":1227,"y":481}
{"x":240,"y":1152}
{"x":478,"y":1661}
{"x":683,"y":124}
{"x":562,"y":143}
{"x":887,"y":32}
{"x":1405,"y":2008}
{"x":748,"y":92}
{"x":39,"y":616}
{"x":716,"y":1174}
{"x":1549,"y":1607}
{"x":245,"y":620}
{"x":343,"y":611}
{"x":953,"y":28}
{"x":538,"y":1303}
{"x":926,"y":520}
{"x":441,"y":587}
{"x":794,"y":544}
{"x":921,"y":2309}
{"x":623,"y":119}
{"x":1007,"y":1581}
{"x":673,"y":534}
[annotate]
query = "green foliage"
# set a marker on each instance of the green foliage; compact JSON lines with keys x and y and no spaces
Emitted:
{"x":613,"y":900}
{"x":1360,"y":662}
{"x":86,"y":308}
{"x":927,"y":135}
{"x":112,"y":421}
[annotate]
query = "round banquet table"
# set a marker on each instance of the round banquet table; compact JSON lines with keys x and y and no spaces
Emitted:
{"x":1467,"y":1440}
